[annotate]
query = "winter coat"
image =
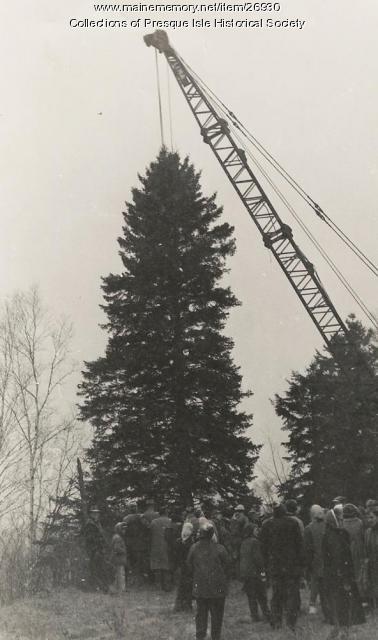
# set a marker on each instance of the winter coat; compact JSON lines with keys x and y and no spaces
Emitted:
{"x":159,"y":552}
{"x":251,"y":558}
{"x":282,"y":546}
{"x":94,"y":538}
{"x":355,"y":529}
{"x":118,"y":551}
{"x":224,"y":536}
{"x":299,"y":522}
{"x":339,"y":580}
{"x":371,"y":550}
{"x":313,"y":541}
{"x":173,"y":538}
{"x":237,"y":524}
{"x":136,"y":533}
{"x":208,"y":563}
{"x":337,"y":556}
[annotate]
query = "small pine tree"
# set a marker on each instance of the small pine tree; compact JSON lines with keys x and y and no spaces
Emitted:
{"x":164,"y":400}
{"x":331,"y":416}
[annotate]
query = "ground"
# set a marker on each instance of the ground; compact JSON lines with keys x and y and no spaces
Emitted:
{"x":141,"y":615}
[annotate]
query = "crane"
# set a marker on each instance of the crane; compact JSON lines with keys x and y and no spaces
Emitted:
{"x":277,"y":235}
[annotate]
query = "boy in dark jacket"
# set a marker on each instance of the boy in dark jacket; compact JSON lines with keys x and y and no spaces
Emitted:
{"x":252,"y":573}
{"x":208,"y":563}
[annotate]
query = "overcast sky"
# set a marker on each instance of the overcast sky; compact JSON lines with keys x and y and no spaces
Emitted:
{"x":79,"y":120}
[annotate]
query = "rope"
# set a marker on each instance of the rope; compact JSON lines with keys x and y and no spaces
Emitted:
{"x":159,"y":99}
{"x":169,"y":105}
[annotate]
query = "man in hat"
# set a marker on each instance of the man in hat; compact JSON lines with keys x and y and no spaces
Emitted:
{"x":135,"y":533}
{"x":95,"y":544}
{"x":147,"y":517}
{"x":292,"y":511}
{"x":208,"y":563}
{"x":238,"y":523}
{"x":313,"y":540}
{"x":160,"y":562}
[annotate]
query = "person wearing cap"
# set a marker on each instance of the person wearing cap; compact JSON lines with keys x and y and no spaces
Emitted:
{"x":119,"y":558}
{"x":208,"y":564}
{"x":292,"y":511}
{"x":95,"y":544}
{"x":283,"y":552}
{"x":159,"y":551}
{"x":134,"y":531}
{"x":237,"y":523}
{"x":339,"y":580}
{"x":146,"y":519}
{"x":313,"y":540}
{"x":337,"y":506}
{"x":223,"y":533}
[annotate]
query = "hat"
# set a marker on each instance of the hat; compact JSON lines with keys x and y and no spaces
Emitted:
{"x":239,"y":508}
{"x":291,"y":506}
{"x":279,"y":511}
{"x":350,"y":511}
{"x":339,"y":500}
{"x":332,"y":519}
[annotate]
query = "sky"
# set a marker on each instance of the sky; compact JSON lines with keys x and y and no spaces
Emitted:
{"x":79,"y":120}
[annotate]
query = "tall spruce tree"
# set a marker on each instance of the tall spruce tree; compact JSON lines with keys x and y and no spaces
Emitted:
{"x":164,"y":400}
{"x":331,"y":416}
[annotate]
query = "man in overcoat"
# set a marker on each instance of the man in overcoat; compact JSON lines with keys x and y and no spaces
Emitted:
{"x":283,"y":551}
{"x":209,"y":564}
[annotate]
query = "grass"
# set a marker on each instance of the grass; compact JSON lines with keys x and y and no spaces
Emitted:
{"x":141,"y":615}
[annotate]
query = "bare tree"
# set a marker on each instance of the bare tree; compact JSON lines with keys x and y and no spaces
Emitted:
{"x":273,"y":476}
{"x":34,"y":430}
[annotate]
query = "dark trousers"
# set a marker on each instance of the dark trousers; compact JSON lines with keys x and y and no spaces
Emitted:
{"x":183,"y":600}
{"x":255,"y":590}
{"x":163,"y":579}
{"x":286,"y":596}
{"x":318,"y":587}
{"x":214,"y":606}
{"x":99,"y":571}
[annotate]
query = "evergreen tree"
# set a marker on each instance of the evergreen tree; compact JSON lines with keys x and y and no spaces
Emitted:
{"x":164,"y":400}
{"x":331,"y":415}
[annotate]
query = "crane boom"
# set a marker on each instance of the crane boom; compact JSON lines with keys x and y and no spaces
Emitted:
{"x":277,"y":236}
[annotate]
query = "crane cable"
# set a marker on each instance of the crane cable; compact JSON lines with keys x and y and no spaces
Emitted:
{"x":169,"y":105}
{"x":343,"y":280}
{"x":346,"y":284}
{"x":284,"y":174}
{"x":159,"y":99}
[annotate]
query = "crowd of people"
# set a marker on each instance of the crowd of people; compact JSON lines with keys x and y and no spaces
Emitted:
{"x":274,"y":555}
